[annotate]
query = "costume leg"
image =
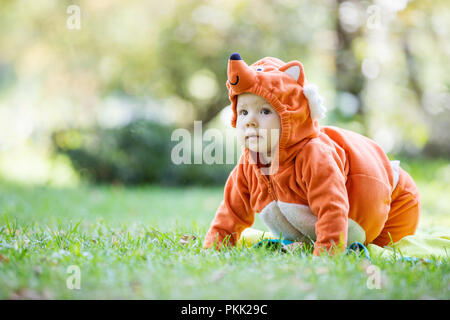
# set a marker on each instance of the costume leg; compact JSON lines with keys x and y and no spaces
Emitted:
{"x":403,"y":217}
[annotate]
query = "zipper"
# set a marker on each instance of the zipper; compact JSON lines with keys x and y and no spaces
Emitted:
{"x":270,"y":187}
{"x":268,"y":183}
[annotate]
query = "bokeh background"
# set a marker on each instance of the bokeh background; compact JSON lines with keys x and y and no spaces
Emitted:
{"x":91,"y":92}
{"x":96,"y":100}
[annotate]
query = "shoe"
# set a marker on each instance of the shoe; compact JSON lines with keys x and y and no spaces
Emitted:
{"x":358,"y":247}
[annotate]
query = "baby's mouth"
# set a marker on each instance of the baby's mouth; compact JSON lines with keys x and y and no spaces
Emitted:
{"x":252,"y":136}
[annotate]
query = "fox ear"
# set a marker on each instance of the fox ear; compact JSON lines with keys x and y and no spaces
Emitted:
{"x":294,"y":69}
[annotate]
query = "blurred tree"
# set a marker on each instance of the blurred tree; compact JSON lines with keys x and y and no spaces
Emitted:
{"x":166,"y":62}
{"x":433,"y":98}
{"x":197,"y":38}
{"x":349,"y":78}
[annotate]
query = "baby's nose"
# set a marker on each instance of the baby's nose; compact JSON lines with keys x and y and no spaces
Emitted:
{"x":251,"y":123}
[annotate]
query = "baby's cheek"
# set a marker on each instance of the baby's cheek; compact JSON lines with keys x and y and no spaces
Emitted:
{"x":241,"y":136}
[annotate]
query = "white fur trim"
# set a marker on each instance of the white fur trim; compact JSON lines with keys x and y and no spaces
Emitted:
{"x":315,"y":101}
{"x":277,"y":223}
{"x":395,"y":165}
{"x":293,"y":72}
{"x":297,"y":222}
{"x":301,"y":217}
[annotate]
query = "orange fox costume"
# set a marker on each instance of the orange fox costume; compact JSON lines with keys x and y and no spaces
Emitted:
{"x":330,"y":185}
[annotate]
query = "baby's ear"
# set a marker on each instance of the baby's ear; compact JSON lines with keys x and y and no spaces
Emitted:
{"x":294,"y":69}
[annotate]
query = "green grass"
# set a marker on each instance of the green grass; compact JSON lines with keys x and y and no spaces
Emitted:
{"x":127,"y":244}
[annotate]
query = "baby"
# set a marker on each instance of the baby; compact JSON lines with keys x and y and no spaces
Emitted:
{"x":306,"y":181}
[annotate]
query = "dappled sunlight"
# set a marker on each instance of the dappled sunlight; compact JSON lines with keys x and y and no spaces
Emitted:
{"x":32,"y":166}
{"x":116,"y":143}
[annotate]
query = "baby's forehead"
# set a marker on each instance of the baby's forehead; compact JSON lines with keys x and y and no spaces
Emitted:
{"x":250,"y":98}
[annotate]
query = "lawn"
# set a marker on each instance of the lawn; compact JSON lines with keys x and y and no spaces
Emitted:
{"x":129,"y":243}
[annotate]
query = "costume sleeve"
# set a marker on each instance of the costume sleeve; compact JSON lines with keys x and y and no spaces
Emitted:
{"x":322,"y":174}
{"x":234,"y":213}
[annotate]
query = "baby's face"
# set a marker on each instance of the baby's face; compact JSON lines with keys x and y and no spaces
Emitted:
{"x":258,"y":124}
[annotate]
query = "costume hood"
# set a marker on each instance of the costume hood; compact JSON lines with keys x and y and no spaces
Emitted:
{"x":284,"y":86}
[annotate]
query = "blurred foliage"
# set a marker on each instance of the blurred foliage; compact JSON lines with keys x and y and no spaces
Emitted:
{"x":381,"y":65}
{"x":137,"y":153}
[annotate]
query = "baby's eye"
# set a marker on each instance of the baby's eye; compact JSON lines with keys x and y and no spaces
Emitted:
{"x":243,"y":112}
{"x":266,"y":111}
